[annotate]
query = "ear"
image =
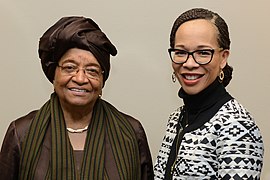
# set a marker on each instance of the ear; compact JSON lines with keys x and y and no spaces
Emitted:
{"x":224,"y":56}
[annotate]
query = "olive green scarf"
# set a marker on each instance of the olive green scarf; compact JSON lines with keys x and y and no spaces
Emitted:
{"x":105,"y":120}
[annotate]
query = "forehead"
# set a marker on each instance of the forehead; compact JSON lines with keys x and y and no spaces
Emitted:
{"x":198,"y":31}
{"x":78,"y":56}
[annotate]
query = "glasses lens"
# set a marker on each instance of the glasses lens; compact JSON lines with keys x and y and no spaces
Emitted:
{"x":178,"y":56}
{"x":93,"y":72}
{"x":69,"y":69}
{"x":72,"y":70}
{"x":203,"y":56}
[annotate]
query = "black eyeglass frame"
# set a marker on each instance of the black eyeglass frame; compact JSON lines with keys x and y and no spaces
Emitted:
{"x":170,"y":50}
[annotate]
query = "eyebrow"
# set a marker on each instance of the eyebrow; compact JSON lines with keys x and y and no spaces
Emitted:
{"x":197,"y":47}
{"x":77,"y":63}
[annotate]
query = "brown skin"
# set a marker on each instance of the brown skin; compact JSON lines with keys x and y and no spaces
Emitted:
{"x":78,"y":93}
{"x":194,"y":35}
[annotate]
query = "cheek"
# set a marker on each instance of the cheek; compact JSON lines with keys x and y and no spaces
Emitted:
{"x":57,"y":82}
{"x":60,"y":81}
{"x":57,"y":86}
{"x":176,"y":67}
{"x":213,"y":70}
{"x":96,"y":86}
{"x":57,"y":78}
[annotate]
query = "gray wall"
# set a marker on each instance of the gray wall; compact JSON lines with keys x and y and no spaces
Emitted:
{"x":140,"y":80}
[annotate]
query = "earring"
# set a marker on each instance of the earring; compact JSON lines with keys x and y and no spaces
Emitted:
{"x":173,"y":77}
{"x":221,"y":76}
{"x":100,"y":95}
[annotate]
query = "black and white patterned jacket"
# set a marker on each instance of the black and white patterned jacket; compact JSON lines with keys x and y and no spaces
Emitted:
{"x":228,"y":146}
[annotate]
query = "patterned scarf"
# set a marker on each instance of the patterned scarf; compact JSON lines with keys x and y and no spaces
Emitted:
{"x":105,"y":120}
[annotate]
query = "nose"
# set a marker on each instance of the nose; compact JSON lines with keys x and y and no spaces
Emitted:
{"x":80,"y":77}
{"x":190,"y":62}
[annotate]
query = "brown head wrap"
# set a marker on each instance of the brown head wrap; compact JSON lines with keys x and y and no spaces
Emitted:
{"x":71,"y":32}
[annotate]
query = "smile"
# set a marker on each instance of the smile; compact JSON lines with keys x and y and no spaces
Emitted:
{"x":78,"y":90}
{"x":191,"y":77}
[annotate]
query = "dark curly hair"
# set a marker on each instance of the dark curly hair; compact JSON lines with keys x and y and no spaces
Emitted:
{"x":223,"y":32}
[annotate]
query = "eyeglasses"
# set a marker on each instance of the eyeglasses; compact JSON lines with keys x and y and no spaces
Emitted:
{"x":202,"y":56}
{"x":91,"y":72}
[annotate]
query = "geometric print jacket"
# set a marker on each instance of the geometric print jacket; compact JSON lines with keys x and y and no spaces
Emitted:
{"x":228,"y":146}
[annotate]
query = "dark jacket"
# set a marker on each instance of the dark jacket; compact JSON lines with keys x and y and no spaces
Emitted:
{"x":11,"y":151}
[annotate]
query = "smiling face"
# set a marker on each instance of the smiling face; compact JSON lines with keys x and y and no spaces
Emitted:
{"x":197,"y":35}
{"x":77,"y":90}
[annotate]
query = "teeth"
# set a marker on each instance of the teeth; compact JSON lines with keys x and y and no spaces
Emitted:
{"x":191,"y":77}
{"x":78,"y":90}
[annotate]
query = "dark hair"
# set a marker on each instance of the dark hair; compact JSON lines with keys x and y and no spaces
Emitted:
{"x":223,"y":32}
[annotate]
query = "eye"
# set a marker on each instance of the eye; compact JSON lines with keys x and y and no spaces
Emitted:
{"x":94,"y":71}
{"x":179,"y":52}
{"x":69,"y":68}
{"x":204,"y":53}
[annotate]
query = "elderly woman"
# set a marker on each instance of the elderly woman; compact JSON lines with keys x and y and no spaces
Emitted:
{"x":76,"y":134}
{"x":212,"y":136}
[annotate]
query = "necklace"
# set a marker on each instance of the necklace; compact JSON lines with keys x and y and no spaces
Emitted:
{"x":77,"y":130}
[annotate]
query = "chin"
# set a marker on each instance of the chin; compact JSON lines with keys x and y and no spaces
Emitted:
{"x":80,"y":102}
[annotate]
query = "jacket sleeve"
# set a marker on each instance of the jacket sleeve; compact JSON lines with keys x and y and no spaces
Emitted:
{"x":240,"y":149}
{"x":10,"y":154}
{"x":145,"y":155}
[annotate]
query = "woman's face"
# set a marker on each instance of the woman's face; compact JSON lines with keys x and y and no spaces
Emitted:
{"x":78,"y":90}
{"x":194,"y":35}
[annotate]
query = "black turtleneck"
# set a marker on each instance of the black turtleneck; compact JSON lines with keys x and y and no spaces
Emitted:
{"x":201,"y":107}
{"x":198,"y":109}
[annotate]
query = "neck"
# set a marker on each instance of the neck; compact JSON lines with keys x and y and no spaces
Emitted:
{"x":204,"y":98}
{"x":77,"y":117}
{"x":206,"y":103}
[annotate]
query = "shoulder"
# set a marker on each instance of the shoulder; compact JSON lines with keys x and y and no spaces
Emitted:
{"x":11,"y":146}
{"x":21,"y":125}
{"x":231,"y":112}
{"x":237,"y":124}
{"x":25,"y":120}
{"x":235,"y":109}
{"x":135,"y":123}
{"x":174,"y":116}
{"x":138,"y":129}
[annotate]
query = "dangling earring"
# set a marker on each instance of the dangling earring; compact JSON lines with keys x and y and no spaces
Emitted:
{"x":221,"y":76}
{"x":173,"y":77}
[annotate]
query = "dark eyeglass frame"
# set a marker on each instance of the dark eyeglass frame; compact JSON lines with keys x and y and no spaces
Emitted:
{"x":212,"y":51}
